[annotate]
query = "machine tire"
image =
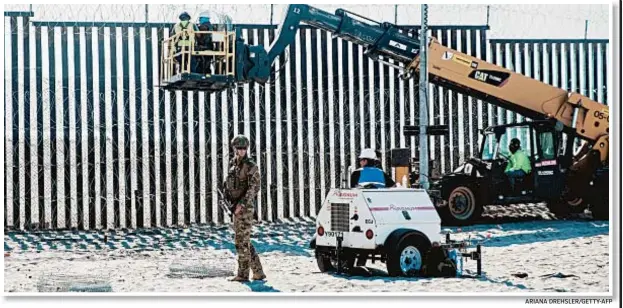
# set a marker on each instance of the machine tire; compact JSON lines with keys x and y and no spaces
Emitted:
{"x":471,"y":214}
{"x":324,"y":263}
{"x":600,"y":211}
{"x":577,"y":206}
{"x":599,"y":205}
{"x":560,"y":208}
{"x":412,"y":244}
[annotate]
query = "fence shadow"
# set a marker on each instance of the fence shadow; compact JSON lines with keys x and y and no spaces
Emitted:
{"x":518,"y":233}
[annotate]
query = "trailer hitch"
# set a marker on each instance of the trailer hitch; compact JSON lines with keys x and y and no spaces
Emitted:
{"x":462,"y":247}
{"x":476,"y":256}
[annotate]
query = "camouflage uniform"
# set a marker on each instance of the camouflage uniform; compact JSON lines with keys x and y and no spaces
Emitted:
{"x":241,"y":188}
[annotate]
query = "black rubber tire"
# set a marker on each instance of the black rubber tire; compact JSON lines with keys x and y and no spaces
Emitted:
{"x":600,"y":206}
{"x":393,"y":256}
{"x":561,"y":209}
{"x":579,"y":208}
{"x":599,"y":201}
{"x":600,"y":212}
{"x":450,"y":218}
{"x":324,"y":264}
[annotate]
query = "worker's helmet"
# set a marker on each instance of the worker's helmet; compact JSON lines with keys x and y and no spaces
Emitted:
{"x":184,"y":16}
{"x":204,"y":19}
{"x":368,"y":154}
{"x":240,"y":142}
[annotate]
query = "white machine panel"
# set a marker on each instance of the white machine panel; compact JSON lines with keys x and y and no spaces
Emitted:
{"x":403,"y":208}
{"x":352,"y":212}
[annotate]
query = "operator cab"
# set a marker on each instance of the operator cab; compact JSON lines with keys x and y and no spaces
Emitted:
{"x":495,"y":151}
{"x":539,"y":141}
{"x":482,"y":180}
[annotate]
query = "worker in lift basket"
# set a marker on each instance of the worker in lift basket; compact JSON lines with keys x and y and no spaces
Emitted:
{"x":185,"y":41}
{"x":241,"y":187}
{"x":369,"y":175}
{"x":205,"y":43}
{"x":518,"y":163}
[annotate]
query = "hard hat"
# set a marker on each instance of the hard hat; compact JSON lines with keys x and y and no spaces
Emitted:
{"x":240,"y":141}
{"x":184,"y":16}
{"x":368,"y":154}
{"x":204,"y":19}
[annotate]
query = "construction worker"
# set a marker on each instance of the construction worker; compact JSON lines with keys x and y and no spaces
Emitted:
{"x":241,"y":187}
{"x":186,"y":40}
{"x":204,"y":42}
{"x":369,"y":175}
{"x":518,"y":163}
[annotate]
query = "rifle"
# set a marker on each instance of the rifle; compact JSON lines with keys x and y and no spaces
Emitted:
{"x":224,"y":204}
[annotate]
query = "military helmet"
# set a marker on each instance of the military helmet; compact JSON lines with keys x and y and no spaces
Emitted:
{"x":240,"y":141}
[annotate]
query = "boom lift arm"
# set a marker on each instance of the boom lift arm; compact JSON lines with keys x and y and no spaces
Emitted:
{"x":573,"y":113}
{"x":380,"y":39}
{"x":576,"y":113}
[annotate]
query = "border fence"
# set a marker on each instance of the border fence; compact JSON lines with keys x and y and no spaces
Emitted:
{"x":92,"y":142}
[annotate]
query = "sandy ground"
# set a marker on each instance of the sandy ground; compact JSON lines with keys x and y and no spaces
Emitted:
{"x":557,"y":256}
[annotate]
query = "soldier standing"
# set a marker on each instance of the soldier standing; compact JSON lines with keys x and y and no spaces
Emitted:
{"x":241,"y":187}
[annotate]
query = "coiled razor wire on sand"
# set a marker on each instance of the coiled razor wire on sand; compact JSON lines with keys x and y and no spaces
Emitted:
{"x":73,"y":283}
{"x":201,"y":269}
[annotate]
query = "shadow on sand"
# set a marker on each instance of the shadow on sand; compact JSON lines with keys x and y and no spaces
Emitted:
{"x":535,"y":232}
{"x":371,"y":274}
{"x":260,"y":286}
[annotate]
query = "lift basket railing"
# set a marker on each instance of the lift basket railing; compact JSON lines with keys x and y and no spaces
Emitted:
{"x":176,"y":60}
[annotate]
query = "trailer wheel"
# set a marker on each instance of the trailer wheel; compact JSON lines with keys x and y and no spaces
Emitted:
{"x":463,"y":207}
{"x":407,"y":258}
{"x":324,"y":263}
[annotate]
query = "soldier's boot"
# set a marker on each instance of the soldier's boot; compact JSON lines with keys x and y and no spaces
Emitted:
{"x":256,"y":264}
{"x":242,"y":274}
{"x":243,"y":270}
